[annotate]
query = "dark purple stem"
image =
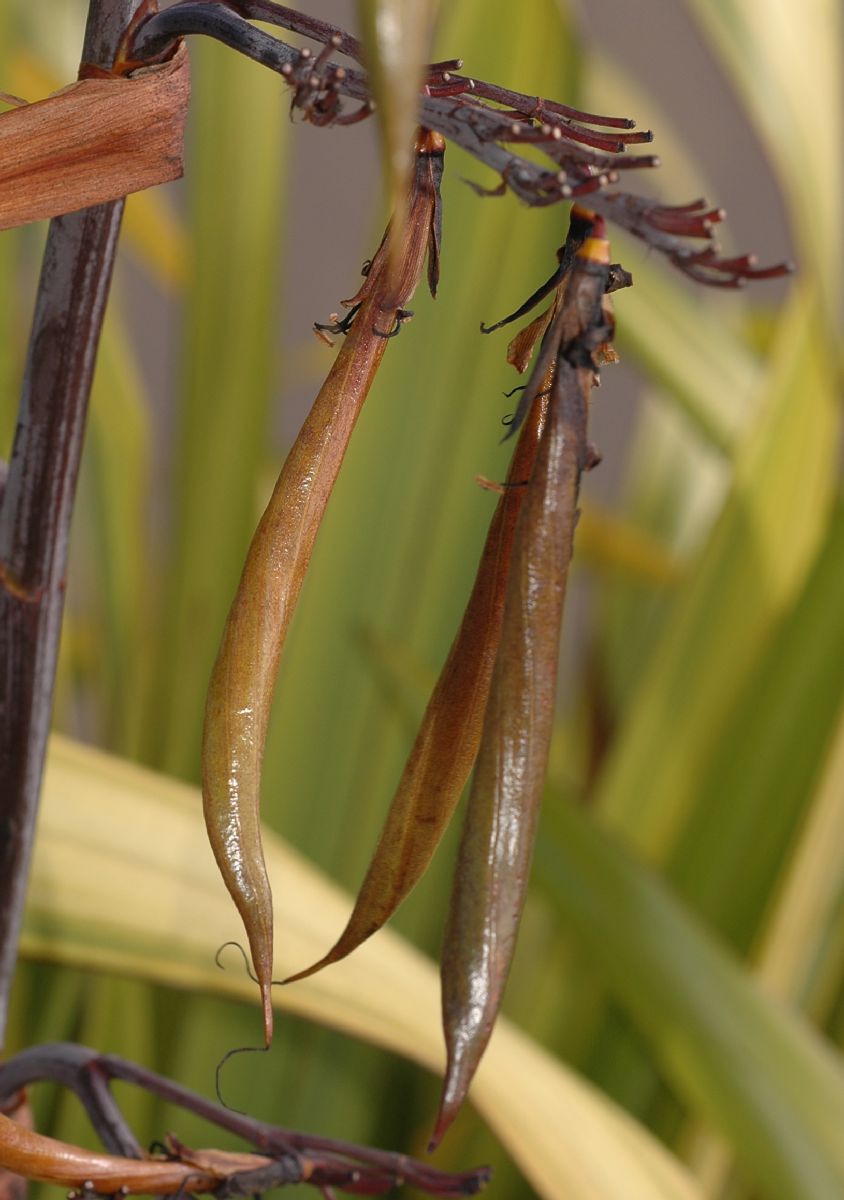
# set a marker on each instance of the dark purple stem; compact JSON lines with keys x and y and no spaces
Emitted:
{"x":37,"y":505}
{"x":329,"y":1161}
{"x":579,"y":162}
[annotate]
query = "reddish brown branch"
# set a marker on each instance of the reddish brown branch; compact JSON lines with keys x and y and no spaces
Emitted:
{"x":293,"y":1157}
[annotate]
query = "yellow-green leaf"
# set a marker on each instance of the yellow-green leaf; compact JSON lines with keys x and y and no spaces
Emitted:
{"x":123,"y":881}
{"x":396,"y":36}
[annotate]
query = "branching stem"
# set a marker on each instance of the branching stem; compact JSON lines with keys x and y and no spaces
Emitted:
{"x":324,"y":1161}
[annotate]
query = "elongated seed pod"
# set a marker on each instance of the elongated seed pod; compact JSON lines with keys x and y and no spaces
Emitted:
{"x":447,"y":742}
{"x":243,"y":679}
{"x":497,"y":843}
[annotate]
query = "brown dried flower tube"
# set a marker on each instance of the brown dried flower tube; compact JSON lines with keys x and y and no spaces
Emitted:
{"x":36,"y":1157}
{"x":497,"y":842}
{"x":243,"y":679}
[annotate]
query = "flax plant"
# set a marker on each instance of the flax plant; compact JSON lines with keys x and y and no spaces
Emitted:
{"x":672,"y":1025}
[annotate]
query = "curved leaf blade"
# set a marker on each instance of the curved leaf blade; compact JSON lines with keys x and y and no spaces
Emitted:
{"x":110,"y":829}
{"x":754,"y":1069}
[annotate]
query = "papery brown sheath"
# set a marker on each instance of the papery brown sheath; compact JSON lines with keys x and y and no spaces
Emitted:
{"x":490,"y":878}
{"x":243,"y":679}
{"x":446,"y":744}
{"x":94,"y":141}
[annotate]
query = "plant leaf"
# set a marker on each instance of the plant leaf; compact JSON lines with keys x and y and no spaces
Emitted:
{"x":92,"y":142}
{"x":754,"y":794}
{"x":786,"y":62}
{"x":109,"y":828}
{"x":739,"y":588}
{"x":755,"y":1070}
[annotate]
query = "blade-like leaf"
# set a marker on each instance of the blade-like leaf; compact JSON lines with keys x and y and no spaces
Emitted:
{"x":151,"y":229}
{"x":112,"y":829}
{"x":750,"y":1066}
{"x":786,"y":61}
{"x":755,"y":791}
{"x":229,"y":365}
{"x":755,"y":560}
{"x":802,"y":954}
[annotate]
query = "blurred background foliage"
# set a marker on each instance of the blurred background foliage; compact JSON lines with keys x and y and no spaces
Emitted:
{"x":683,"y":947}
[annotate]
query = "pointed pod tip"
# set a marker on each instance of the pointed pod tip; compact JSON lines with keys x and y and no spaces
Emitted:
{"x":325,"y":961}
{"x":312,"y":970}
{"x":450,"y":1102}
{"x":267,"y":1002}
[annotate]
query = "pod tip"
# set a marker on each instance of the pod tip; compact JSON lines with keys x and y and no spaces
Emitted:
{"x":267,"y":1002}
{"x":450,"y":1104}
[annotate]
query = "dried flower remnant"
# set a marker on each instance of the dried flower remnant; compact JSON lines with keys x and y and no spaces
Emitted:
{"x":584,"y":153}
{"x":243,"y":679}
{"x":490,"y":878}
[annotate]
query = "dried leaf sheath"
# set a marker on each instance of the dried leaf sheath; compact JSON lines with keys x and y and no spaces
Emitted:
{"x":497,"y":842}
{"x":243,"y":679}
{"x":94,"y":141}
{"x":447,"y":742}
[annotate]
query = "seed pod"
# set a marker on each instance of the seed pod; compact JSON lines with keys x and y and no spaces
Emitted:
{"x":497,"y":842}
{"x":243,"y":679}
{"x":447,"y":742}
{"x":446,"y":745}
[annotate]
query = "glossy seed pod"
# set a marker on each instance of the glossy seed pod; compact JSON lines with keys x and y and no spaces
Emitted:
{"x":490,"y":879}
{"x":243,"y":679}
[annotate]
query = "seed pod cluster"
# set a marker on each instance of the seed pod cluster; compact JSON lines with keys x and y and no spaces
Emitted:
{"x":494,"y":700}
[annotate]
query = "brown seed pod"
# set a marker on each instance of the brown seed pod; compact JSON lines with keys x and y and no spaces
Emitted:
{"x":490,"y":878}
{"x":243,"y":679}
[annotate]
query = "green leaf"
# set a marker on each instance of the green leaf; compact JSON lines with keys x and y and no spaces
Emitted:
{"x":116,"y":481}
{"x":747,"y":1064}
{"x":786,"y":62}
{"x":123,"y":881}
{"x":802,"y":954}
{"x":756,"y":558}
{"x":234,"y":174}
{"x":757,"y":786}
